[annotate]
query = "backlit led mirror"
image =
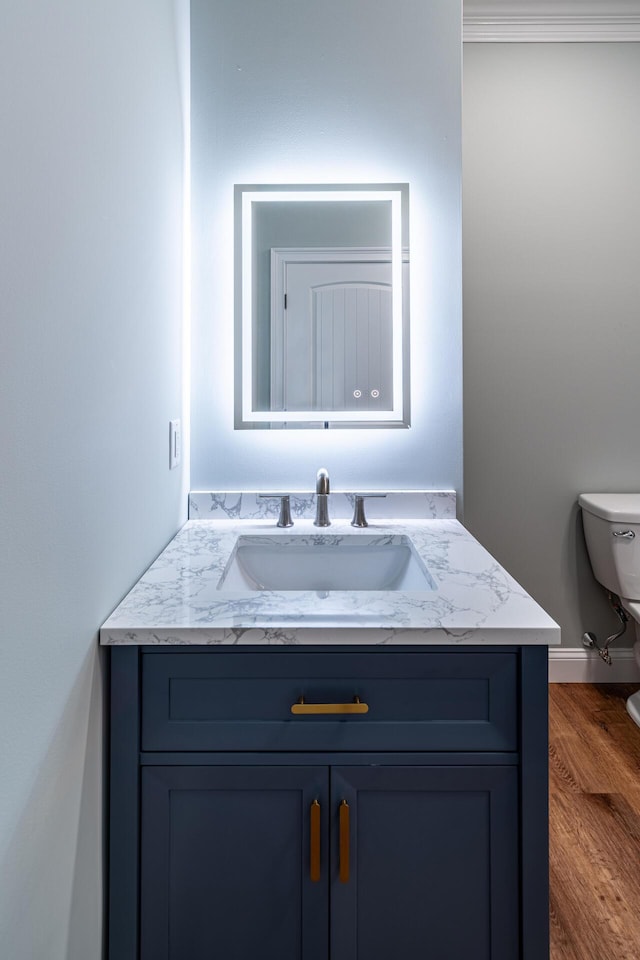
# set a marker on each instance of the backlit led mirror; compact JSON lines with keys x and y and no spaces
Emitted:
{"x":321,"y":306}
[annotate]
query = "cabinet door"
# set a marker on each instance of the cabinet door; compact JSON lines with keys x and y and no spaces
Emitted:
{"x":433,"y":863}
{"x":225,"y":866}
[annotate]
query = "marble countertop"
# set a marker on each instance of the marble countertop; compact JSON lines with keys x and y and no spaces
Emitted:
{"x":475,"y":601}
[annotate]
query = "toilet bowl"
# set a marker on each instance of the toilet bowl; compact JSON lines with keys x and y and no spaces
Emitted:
{"x":612,"y":531}
{"x":633,"y":702}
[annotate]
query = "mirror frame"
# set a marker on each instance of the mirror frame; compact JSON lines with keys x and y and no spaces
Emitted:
{"x":245,"y":197}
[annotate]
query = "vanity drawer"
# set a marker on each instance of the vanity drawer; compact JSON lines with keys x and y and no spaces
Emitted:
{"x":461,"y":700}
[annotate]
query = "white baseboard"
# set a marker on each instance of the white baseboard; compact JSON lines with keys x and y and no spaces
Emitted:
{"x":579,"y":665}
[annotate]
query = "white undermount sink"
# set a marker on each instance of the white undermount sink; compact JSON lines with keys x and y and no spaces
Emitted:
{"x":325,"y":563}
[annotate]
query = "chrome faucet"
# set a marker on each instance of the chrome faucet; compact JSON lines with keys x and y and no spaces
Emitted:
{"x":322,"y":498}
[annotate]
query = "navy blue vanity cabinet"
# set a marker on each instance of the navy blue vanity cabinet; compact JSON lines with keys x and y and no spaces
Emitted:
{"x":399,"y":810}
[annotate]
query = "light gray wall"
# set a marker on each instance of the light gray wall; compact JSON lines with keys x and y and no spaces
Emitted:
{"x":90,"y":345}
{"x":551,"y":153}
{"x":342,"y":91}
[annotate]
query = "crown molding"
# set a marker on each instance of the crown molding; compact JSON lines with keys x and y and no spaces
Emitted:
{"x":551,"y":21}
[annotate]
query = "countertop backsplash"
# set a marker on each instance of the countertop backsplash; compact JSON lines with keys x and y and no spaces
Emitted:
{"x":396,"y":504}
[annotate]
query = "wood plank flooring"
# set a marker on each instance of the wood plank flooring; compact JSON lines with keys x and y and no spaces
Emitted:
{"x":594,"y":800}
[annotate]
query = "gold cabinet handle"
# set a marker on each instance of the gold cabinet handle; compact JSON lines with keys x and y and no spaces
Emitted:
{"x":356,"y":706}
{"x":344,"y":841}
{"x":314,"y":851}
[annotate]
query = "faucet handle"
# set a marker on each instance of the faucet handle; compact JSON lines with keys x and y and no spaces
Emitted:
{"x":359,"y":519}
{"x":284,"y":519}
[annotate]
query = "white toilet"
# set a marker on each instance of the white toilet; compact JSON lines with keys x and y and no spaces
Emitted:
{"x":612,"y":531}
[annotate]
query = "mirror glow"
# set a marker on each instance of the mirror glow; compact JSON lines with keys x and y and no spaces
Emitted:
{"x":274,"y":394}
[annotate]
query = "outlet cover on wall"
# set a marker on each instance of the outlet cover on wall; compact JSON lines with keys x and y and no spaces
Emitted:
{"x":175,"y":443}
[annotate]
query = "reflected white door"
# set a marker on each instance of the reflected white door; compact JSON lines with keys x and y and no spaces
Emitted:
{"x":334,"y":351}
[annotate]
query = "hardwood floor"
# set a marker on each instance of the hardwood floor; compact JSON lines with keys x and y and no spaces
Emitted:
{"x":594,"y":781}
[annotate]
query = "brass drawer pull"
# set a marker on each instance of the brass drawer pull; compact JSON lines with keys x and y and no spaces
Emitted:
{"x":355,"y":707}
{"x":343,"y":816}
{"x":314,"y":848}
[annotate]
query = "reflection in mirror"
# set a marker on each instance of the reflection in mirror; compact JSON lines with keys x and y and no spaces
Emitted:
{"x":322,"y":295}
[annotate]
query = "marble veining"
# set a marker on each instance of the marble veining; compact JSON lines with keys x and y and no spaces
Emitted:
{"x":178,"y":600}
{"x":399,"y":505}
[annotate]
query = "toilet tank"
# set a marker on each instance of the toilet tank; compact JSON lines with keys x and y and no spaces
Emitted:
{"x":612,"y":531}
